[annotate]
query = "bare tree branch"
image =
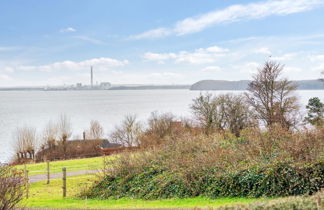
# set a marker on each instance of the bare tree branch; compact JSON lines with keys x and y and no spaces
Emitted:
{"x":272,"y":97}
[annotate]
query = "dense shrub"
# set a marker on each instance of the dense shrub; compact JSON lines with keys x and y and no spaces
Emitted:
{"x":11,"y":187}
{"x":276,"y":162}
{"x":282,"y":179}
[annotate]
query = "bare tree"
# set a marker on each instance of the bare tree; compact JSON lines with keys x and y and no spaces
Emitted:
{"x":96,"y":130}
{"x":128,"y":132}
{"x":11,"y":187}
{"x":49,"y":135}
{"x":205,"y":110}
{"x":160,"y":124}
{"x":235,"y":112}
{"x":159,"y":127}
{"x":272,"y":96}
{"x":64,"y":131}
{"x":222,"y":112}
{"x":25,"y":142}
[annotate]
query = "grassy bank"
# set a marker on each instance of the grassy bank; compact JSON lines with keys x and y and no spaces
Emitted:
{"x":71,"y":165}
{"x":44,"y":196}
{"x":50,"y":196}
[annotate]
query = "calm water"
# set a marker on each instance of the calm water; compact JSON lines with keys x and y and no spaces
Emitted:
{"x":36,"y":108}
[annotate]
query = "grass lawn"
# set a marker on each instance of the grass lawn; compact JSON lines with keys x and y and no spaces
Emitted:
{"x":50,"y":196}
{"x":71,"y":165}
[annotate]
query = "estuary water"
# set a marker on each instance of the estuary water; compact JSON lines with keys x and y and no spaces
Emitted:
{"x":36,"y":108}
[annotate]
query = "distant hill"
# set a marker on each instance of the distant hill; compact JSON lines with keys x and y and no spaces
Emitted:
{"x":242,"y":85}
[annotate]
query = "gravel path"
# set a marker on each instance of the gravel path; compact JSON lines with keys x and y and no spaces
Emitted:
{"x":42,"y":177}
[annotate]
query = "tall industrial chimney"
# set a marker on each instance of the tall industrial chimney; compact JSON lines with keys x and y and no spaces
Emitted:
{"x":91,"y":77}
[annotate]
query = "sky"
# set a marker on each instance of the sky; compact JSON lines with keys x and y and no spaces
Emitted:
{"x":45,"y":42}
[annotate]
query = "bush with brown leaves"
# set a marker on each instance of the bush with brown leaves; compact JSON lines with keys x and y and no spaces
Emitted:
{"x":12,"y":187}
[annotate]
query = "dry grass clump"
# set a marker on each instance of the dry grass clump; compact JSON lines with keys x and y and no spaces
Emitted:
{"x":290,"y":203}
{"x":281,"y":145}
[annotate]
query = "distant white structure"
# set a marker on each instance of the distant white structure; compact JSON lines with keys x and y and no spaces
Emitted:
{"x":79,"y":86}
{"x":105,"y":85}
{"x":91,"y":79}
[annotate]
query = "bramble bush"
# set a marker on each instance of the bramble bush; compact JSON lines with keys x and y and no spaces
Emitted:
{"x":12,"y":187}
{"x":275,"y":162}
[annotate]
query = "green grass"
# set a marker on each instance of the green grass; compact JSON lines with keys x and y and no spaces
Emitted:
{"x":129,"y":203}
{"x":75,"y":184}
{"x":50,"y":196}
{"x":71,"y":165}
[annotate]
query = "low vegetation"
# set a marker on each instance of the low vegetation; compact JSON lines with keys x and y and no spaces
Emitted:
{"x":271,"y":163}
{"x":50,"y":196}
{"x":12,"y":187}
{"x":44,"y":195}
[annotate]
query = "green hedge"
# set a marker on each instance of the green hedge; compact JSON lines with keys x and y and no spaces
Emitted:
{"x":280,"y":179}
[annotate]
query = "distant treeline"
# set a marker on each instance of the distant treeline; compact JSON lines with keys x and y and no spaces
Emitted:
{"x":243,"y":84}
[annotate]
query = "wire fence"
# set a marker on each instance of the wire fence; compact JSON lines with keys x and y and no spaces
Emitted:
{"x":64,"y":174}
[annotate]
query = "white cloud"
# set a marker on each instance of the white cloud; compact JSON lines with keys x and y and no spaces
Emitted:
{"x":234,"y":13}
{"x":285,"y":57}
{"x":247,"y":67}
{"x":155,"y":77}
{"x":212,"y":69}
{"x":319,"y":68}
{"x":66,"y":30}
{"x":4,"y":77}
{"x":89,"y":39}
{"x":8,"y":69}
{"x":152,"y":34}
{"x":198,"y":56}
{"x":164,"y":75}
{"x":159,"y":57}
{"x":98,"y":63}
{"x":263,"y":50}
{"x":290,"y":69}
{"x":316,"y":58}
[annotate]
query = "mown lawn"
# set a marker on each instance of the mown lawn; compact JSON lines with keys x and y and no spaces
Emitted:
{"x":136,"y":204}
{"x":71,"y":165}
{"x":50,"y":196}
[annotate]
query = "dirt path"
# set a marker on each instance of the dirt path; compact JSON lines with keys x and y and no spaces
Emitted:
{"x":42,"y":177}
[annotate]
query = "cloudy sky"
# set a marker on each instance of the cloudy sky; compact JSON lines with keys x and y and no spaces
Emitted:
{"x":45,"y":42}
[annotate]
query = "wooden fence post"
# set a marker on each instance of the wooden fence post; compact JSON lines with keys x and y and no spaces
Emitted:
{"x":64,"y":182}
{"x":26,"y":182}
{"x":48,"y":172}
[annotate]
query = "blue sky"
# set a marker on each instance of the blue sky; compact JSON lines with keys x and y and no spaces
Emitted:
{"x":44,"y":42}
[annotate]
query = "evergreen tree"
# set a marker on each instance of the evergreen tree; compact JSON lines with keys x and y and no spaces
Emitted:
{"x":315,"y":114}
